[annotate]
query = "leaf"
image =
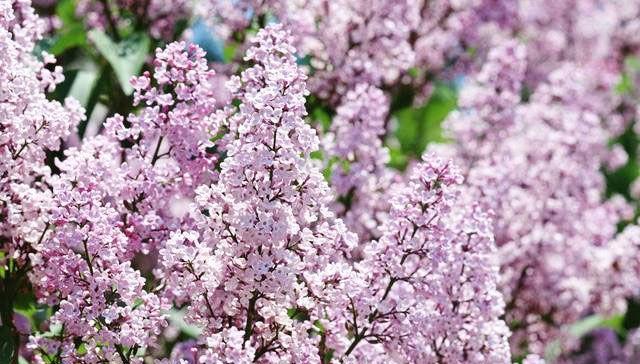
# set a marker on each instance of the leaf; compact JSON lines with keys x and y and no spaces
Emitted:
{"x":298,"y":314}
{"x":441,"y":103}
{"x":417,"y":127}
{"x":2,"y":266}
{"x":137,"y":303}
{"x":25,"y":304}
{"x":86,"y":88}
{"x":583,"y":327}
{"x":81,"y":349}
{"x":327,"y":357}
{"x":629,"y":74}
{"x":176,"y":317}
{"x":126,"y":57}
{"x":66,"y":11}
{"x":590,"y":323}
{"x":72,"y":33}
{"x":319,"y":326}
{"x":321,"y":116}
{"x":62,"y":89}
{"x":625,"y":85}
{"x":397,"y":159}
{"x":102,"y":85}
{"x":67,"y":38}
{"x":82,"y":85}
{"x":407,"y":131}
{"x":7,"y":345}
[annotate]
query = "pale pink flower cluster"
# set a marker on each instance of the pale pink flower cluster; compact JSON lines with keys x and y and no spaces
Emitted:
{"x":211,"y":202}
{"x":265,"y":240}
{"x":113,"y":203}
{"x":30,"y":126}
{"x":359,"y":175}
{"x":536,"y":166}
{"x":594,"y":35}
{"x":84,"y":266}
{"x":267,"y":273}
{"x":376,"y":42}
{"x":433,"y":268}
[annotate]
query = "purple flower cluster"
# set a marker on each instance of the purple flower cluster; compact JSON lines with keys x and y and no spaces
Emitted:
{"x":432,"y":268}
{"x":359,"y":175}
{"x":30,"y":126}
{"x":536,"y":166}
{"x":373,"y":42}
{"x":259,"y":262}
{"x":272,"y":241}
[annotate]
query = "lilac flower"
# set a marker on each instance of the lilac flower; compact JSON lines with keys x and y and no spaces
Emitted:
{"x":165,"y":146}
{"x":433,"y":269}
{"x":111,"y":203}
{"x":84,"y":266}
{"x":536,"y":166}
{"x":267,"y":240}
{"x":359,"y":176}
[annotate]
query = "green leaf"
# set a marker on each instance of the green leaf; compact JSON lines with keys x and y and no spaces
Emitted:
{"x":126,"y":57}
{"x":101,"y":86}
{"x":176,"y":317}
{"x":397,"y":159}
{"x":316,"y":154}
{"x":229,"y":52}
{"x":590,"y":323}
{"x":72,"y":33}
{"x":82,"y":85}
{"x":62,"y":90}
{"x":6,"y":345}
{"x":320,"y":115}
{"x":632,"y":63}
{"x":629,"y":74}
{"x":69,"y":37}
{"x":328,"y":170}
{"x":2,"y":269}
{"x":137,"y":303}
{"x":25,"y":304}
{"x":327,"y":357}
{"x":81,"y":349}
{"x":298,"y":314}
{"x":66,"y":11}
{"x":319,"y":325}
{"x":417,"y":127}
{"x":625,"y":85}
{"x":583,"y":327}
{"x":408,"y":126}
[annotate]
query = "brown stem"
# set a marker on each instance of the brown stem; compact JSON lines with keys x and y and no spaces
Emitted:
{"x":110,"y":20}
{"x":248,"y":328}
{"x":156,"y":156}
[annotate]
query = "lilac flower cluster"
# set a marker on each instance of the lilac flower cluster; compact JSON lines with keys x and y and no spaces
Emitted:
{"x":211,"y":204}
{"x":359,"y":174}
{"x":265,"y":239}
{"x":536,"y":166}
{"x":433,"y":267}
{"x":30,"y":126}
{"x":113,"y":203}
{"x":374,"y":42}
